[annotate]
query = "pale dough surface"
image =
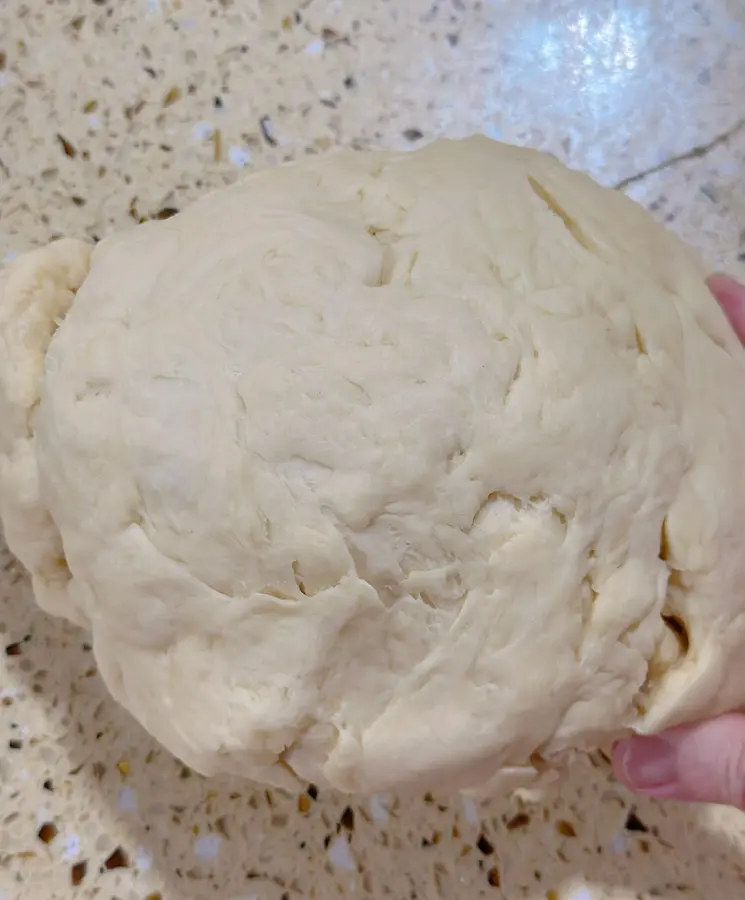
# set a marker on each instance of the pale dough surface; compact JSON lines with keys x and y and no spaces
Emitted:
{"x":384,"y":469}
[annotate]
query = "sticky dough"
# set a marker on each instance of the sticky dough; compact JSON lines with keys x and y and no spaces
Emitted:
{"x":384,"y":470}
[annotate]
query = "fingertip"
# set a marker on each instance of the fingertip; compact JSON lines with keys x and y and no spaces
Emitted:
{"x":704,"y":762}
{"x":647,"y":765}
{"x":722,"y":285}
{"x":730,"y":295}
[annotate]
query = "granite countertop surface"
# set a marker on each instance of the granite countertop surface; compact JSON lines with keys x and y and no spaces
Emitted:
{"x":114,"y":112}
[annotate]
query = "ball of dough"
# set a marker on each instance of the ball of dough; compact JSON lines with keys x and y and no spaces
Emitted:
{"x":385,"y":470}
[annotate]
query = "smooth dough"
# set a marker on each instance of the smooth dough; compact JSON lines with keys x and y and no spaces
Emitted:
{"x":384,"y":469}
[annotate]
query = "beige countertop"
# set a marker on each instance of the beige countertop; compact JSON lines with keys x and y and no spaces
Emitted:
{"x":115,"y":111}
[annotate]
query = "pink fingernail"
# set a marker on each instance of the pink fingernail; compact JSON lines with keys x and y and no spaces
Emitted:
{"x":648,"y":764}
{"x":726,"y":287}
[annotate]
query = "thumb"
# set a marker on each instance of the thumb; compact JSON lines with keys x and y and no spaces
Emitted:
{"x":730,"y":295}
{"x":703,"y":762}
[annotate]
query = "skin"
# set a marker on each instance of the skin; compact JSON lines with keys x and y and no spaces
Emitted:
{"x":704,"y":762}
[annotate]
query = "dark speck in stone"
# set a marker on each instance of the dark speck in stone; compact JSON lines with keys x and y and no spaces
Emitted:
{"x":67,"y":147}
{"x":709,"y":191}
{"x":634,"y":823}
{"x":78,"y":872}
{"x":117,"y":860}
{"x":47,"y":833}
{"x":347,"y":819}
{"x":485,"y":845}
{"x":265,"y":125}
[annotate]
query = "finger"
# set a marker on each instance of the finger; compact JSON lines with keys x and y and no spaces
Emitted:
{"x":703,"y":762}
{"x":731,"y":297}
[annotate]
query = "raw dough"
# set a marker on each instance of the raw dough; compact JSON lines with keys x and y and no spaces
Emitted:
{"x":385,"y":469}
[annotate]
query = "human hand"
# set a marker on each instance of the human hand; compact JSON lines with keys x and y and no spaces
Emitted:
{"x":706,"y":761}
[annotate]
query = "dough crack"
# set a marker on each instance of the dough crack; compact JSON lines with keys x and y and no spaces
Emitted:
{"x":570,"y":224}
{"x":640,"y":342}
{"x":515,"y":377}
{"x":534,"y":503}
{"x":675,"y":586}
{"x":386,"y":240}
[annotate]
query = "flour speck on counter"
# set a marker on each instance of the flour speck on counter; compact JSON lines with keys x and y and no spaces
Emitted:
{"x":114,"y":113}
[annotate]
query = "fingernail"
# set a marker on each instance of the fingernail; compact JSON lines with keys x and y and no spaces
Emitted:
{"x":648,"y":764}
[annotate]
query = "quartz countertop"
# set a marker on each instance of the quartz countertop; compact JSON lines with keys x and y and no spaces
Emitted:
{"x":114,"y":112}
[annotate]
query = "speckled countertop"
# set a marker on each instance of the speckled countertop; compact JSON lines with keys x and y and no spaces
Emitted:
{"x":111,"y":112}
